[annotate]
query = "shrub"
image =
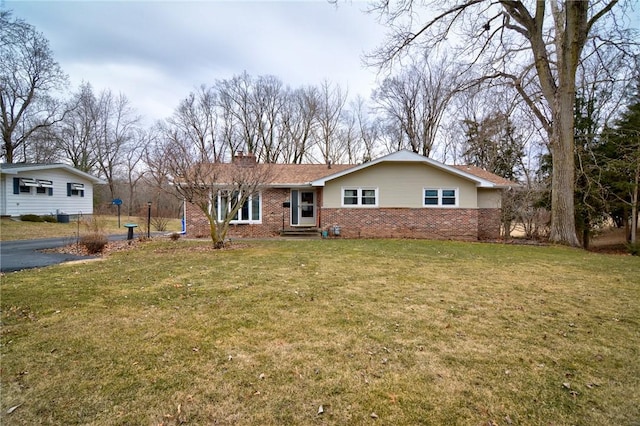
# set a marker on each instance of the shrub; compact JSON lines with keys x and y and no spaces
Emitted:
{"x":174,"y":236}
{"x":160,"y":223}
{"x":634,"y":249}
{"x":31,"y":218}
{"x":95,"y":224}
{"x":94,"y":243}
{"x":50,"y":218}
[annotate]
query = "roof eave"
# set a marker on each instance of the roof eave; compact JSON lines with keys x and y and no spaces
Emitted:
{"x":72,"y":170}
{"x":411,"y":157}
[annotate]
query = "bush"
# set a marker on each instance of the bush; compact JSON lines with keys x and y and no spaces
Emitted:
{"x":160,"y":223}
{"x":50,"y":218}
{"x":31,"y":218}
{"x":95,"y":224}
{"x":174,"y":236}
{"x":94,"y":243}
{"x":634,"y":249}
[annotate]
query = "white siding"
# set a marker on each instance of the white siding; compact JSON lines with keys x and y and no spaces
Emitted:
{"x":3,"y":196}
{"x":401,"y":185}
{"x":42,"y":204}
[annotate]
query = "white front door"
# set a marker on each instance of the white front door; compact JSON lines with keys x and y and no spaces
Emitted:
{"x":303,"y":208}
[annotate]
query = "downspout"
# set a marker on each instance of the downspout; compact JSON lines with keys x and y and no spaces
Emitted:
{"x":184,"y":217}
{"x":319,"y":193}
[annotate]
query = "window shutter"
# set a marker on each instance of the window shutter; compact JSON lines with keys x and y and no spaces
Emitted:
{"x":82,"y":193}
{"x":68,"y":189}
{"x":294,"y":206}
{"x":16,"y":185}
{"x":50,"y":192}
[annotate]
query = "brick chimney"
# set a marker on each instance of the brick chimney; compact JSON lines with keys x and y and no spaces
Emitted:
{"x":242,"y":159}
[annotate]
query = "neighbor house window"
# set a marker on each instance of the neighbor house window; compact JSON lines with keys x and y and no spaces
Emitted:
{"x":24,"y":185}
{"x":439,"y":197}
{"x":367,"y":197}
{"x":44,"y":187}
{"x":250,"y":212}
{"x":75,"y":189}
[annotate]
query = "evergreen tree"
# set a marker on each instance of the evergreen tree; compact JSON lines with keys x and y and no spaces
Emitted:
{"x":619,"y":156}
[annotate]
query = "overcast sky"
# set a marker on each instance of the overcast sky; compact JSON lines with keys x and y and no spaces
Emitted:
{"x":156,"y":52}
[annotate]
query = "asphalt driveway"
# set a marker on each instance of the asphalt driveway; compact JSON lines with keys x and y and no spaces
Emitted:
{"x":26,"y":254}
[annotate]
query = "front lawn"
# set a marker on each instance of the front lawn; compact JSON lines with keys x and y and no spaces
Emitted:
{"x":364,"y":332}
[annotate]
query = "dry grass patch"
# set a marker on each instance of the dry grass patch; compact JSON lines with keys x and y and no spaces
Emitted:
{"x":389,"y":332}
{"x":11,"y":229}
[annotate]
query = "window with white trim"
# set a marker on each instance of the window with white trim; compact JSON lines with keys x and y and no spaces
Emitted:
{"x":359,"y":197}
{"x":440,"y":197}
{"x":250,"y":212}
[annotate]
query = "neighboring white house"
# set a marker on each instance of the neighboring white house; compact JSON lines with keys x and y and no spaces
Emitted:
{"x":44,"y":189}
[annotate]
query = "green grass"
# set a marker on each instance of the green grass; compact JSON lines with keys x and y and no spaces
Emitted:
{"x":16,"y":230}
{"x":416,"y":332}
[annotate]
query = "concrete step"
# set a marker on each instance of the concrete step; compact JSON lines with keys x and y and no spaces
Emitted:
{"x":300,"y":233}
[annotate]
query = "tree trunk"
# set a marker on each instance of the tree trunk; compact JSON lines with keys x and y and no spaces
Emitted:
{"x":586,"y":235}
{"x":218,"y":242}
{"x":634,"y":208}
{"x":563,"y":223}
{"x":570,"y":44}
{"x":8,"y":151}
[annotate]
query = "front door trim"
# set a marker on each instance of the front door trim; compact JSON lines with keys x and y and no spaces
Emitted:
{"x":303,"y":208}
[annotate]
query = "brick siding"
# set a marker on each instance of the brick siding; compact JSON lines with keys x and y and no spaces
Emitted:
{"x":272,"y":199}
{"x":489,"y":224}
{"x":454,"y":224}
{"x":427,"y":223}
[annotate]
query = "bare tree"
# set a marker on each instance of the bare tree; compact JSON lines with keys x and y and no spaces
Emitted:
{"x":299,"y":122}
{"x":133,"y":164}
{"x":415,"y":101}
{"x":366,"y":128}
{"x":494,"y":144}
{"x":267,"y":104}
{"x":28,"y":75}
{"x":196,"y":119}
{"x":235,"y":99}
{"x":332,"y":100}
{"x":218,"y":190}
{"x":349,"y":138}
{"x":154,"y":156}
{"x":77,"y":134}
{"x":117,"y":124}
{"x":526,"y":45}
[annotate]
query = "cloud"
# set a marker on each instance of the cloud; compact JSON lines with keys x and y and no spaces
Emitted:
{"x":156,"y":52}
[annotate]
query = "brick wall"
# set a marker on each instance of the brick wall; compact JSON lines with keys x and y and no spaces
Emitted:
{"x":428,"y":223}
{"x":455,"y":224}
{"x":272,"y":199}
{"x":488,"y":224}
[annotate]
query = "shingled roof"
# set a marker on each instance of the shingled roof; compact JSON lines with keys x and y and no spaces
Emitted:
{"x":291,"y":175}
{"x":297,"y":174}
{"x":482,"y":173}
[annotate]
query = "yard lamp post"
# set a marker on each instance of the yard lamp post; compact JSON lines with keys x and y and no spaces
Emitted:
{"x":149,"y":219}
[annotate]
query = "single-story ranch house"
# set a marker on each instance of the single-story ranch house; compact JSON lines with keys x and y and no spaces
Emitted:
{"x":45,"y":189}
{"x":401,"y":195}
